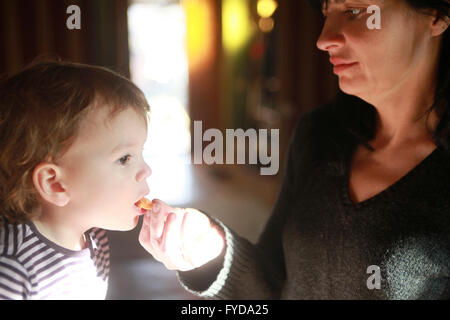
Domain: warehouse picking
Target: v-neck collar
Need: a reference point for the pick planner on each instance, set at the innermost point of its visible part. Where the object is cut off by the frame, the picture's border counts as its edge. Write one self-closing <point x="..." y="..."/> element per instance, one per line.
<point x="345" y="190"/>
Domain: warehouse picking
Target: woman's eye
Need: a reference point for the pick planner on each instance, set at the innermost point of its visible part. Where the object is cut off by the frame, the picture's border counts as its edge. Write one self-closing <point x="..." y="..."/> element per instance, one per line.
<point x="353" y="12"/>
<point x="125" y="159"/>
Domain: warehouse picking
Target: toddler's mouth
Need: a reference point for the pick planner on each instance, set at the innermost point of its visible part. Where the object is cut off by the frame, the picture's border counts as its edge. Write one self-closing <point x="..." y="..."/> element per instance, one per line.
<point x="140" y="211"/>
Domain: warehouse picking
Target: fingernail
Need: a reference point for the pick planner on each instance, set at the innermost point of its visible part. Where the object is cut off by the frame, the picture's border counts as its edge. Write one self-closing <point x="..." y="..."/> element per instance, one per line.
<point x="155" y="207"/>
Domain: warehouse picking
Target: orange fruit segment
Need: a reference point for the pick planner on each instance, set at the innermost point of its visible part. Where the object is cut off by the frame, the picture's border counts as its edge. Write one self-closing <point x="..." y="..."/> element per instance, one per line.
<point x="144" y="203"/>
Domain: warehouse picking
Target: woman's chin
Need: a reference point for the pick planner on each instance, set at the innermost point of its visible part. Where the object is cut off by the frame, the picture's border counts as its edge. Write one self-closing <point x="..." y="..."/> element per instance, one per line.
<point x="351" y="87"/>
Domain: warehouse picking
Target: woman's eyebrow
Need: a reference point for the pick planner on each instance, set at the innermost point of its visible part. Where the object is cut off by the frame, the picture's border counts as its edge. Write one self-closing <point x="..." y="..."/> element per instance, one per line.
<point x="326" y="2"/>
<point x="334" y="1"/>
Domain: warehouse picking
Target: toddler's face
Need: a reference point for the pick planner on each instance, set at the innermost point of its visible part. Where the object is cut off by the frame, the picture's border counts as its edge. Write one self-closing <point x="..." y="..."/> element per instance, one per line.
<point x="105" y="174"/>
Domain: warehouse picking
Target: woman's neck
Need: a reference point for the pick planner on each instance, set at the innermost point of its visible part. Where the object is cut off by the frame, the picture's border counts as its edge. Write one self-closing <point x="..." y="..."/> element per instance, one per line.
<point x="405" y="120"/>
<point x="402" y="110"/>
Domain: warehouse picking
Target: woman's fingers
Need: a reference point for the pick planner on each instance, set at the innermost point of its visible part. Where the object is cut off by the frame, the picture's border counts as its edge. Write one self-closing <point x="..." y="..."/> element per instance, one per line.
<point x="145" y="234"/>
<point x="164" y="246"/>
<point x="182" y="239"/>
<point x="172" y="241"/>
<point x="201" y="240"/>
<point x="158" y="215"/>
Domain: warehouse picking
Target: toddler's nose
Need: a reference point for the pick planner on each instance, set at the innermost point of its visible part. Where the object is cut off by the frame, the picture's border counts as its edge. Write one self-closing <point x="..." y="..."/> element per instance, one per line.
<point x="144" y="173"/>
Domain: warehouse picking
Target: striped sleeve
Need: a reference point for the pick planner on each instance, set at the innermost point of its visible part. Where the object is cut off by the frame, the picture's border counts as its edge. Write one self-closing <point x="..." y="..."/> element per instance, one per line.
<point x="14" y="282"/>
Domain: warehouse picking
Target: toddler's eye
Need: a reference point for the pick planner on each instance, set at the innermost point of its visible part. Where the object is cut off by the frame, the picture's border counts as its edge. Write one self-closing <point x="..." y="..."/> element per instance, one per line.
<point x="125" y="159"/>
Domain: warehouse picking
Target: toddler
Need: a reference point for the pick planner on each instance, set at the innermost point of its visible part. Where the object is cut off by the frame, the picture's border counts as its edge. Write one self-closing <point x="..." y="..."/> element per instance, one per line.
<point x="71" y="166"/>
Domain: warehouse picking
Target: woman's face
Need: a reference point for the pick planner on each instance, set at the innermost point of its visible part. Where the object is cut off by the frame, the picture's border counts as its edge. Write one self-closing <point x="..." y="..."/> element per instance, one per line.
<point x="370" y="62"/>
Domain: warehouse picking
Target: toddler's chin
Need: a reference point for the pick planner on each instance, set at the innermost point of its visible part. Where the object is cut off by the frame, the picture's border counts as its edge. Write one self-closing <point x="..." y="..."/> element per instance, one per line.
<point x="135" y="222"/>
<point x="131" y="225"/>
<point x="124" y="226"/>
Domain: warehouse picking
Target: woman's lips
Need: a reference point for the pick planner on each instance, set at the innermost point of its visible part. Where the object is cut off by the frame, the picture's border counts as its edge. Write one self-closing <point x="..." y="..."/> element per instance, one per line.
<point x="338" y="68"/>
<point x="341" y="64"/>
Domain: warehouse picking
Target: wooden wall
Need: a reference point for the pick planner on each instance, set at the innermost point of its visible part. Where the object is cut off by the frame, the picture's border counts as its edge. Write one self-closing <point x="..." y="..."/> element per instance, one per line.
<point x="37" y="28"/>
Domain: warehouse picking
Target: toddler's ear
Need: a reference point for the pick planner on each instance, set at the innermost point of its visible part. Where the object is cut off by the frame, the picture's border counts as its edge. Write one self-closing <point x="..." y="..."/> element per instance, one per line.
<point x="47" y="181"/>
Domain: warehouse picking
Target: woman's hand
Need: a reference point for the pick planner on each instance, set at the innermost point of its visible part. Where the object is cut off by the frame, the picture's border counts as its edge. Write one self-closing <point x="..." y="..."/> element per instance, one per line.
<point x="182" y="239"/>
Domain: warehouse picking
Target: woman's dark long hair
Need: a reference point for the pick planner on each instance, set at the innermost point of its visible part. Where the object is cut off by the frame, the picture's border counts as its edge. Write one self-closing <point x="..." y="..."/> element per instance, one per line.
<point x="358" y="117"/>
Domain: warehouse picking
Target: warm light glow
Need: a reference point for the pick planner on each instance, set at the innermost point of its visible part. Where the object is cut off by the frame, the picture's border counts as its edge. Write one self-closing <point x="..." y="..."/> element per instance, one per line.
<point x="266" y="24"/>
<point x="157" y="43"/>
<point x="168" y="130"/>
<point x="199" y="31"/>
<point x="167" y="150"/>
<point x="159" y="66"/>
<point x="266" y="8"/>
<point x="236" y="27"/>
<point x="201" y="242"/>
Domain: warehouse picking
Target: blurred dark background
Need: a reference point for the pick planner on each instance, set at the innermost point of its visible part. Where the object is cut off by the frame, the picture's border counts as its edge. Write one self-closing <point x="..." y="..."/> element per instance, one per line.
<point x="248" y="64"/>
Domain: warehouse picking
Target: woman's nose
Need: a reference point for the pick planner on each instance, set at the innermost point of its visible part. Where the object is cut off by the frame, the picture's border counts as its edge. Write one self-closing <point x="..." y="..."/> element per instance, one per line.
<point x="331" y="37"/>
<point x="144" y="173"/>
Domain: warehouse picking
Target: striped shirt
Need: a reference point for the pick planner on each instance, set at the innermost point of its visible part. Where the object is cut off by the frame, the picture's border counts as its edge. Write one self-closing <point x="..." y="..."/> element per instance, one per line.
<point x="33" y="267"/>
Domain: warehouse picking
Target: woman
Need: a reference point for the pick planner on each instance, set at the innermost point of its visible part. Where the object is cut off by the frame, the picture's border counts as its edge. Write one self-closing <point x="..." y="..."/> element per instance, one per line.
<point x="363" y="212"/>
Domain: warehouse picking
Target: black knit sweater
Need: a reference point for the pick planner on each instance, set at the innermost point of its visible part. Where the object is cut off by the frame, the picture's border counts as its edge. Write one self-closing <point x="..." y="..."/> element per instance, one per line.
<point x="319" y="245"/>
